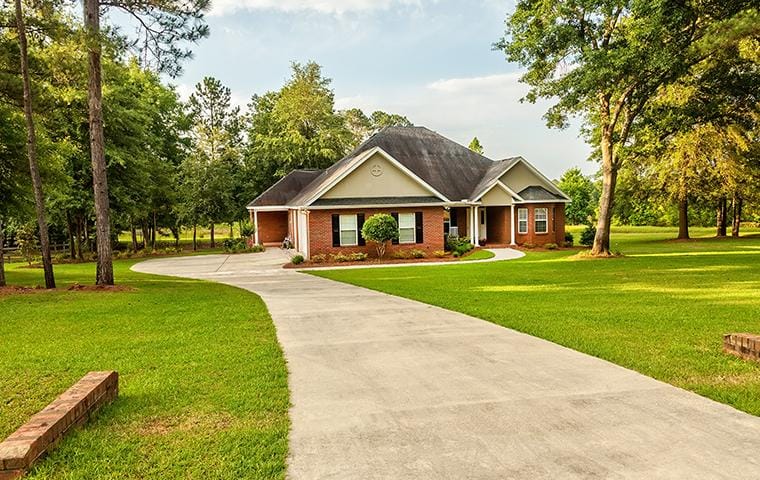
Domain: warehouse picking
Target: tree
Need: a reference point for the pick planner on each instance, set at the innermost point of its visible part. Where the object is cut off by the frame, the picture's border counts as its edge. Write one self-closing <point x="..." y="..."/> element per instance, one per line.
<point x="583" y="193"/>
<point x="164" y="25"/>
<point x="621" y="53"/>
<point x="380" y="228"/>
<point x="380" y="120"/>
<point x="475" y="146"/>
<point x="31" y="144"/>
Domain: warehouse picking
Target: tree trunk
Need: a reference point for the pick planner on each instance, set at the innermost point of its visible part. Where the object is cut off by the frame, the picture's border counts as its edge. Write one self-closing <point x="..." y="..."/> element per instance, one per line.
<point x="195" y="236"/>
<point x="737" y="216"/>
<point x="145" y="231"/>
<point x="70" y="226"/>
<point x="134" y="236"/>
<point x="104" y="275"/>
<point x="213" y="242"/>
<point x="31" y="149"/>
<point x="86" y="232"/>
<point x="232" y="233"/>
<point x="609" y="180"/>
<point x="2" y="253"/>
<point x="721" y="219"/>
<point x="683" y="218"/>
<point x="153" y="232"/>
<point x="175" y="232"/>
<point x="80" y="239"/>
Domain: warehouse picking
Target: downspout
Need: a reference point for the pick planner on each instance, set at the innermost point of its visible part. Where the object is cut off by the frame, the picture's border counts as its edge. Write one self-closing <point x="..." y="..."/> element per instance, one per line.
<point x="512" y="224"/>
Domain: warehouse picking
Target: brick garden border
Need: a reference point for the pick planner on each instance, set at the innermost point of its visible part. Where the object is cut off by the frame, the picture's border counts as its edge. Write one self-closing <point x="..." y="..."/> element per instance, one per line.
<point x="43" y="431"/>
<point x="743" y="345"/>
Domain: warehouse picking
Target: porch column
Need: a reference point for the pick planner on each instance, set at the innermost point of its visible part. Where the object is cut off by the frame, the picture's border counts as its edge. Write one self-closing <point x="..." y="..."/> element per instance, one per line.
<point x="512" y="224"/>
<point x="476" y="227"/>
<point x="255" y="227"/>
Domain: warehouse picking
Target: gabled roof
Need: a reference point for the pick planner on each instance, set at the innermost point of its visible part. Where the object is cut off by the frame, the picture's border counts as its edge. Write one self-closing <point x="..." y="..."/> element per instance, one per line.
<point x="282" y="192"/>
<point x="449" y="171"/>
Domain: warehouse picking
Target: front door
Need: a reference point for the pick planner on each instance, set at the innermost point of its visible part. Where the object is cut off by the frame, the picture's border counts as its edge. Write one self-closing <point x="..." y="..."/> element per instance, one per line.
<point x="482" y="230"/>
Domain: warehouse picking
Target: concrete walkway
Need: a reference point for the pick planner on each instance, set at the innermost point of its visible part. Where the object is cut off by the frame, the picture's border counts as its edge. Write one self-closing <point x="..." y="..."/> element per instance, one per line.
<point x="384" y="387"/>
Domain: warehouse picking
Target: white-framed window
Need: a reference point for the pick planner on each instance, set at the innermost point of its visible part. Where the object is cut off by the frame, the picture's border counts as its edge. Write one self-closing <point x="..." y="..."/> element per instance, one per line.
<point x="406" y="228"/>
<point x="522" y="220"/>
<point x="348" y="232"/>
<point x="542" y="220"/>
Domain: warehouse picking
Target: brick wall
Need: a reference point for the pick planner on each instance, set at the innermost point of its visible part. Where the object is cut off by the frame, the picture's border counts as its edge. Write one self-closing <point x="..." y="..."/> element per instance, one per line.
<point x="20" y="450"/>
<point x="497" y="225"/>
<point x="556" y="219"/>
<point x="273" y="227"/>
<point x="320" y="231"/>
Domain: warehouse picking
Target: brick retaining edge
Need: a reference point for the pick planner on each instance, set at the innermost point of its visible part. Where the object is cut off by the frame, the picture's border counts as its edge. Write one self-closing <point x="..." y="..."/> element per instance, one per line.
<point x="43" y="431"/>
<point x="743" y="345"/>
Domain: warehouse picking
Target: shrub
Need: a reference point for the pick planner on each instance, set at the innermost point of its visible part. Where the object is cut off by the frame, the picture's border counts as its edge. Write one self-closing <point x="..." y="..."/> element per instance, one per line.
<point x="297" y="259"/>
<point x="439" y="254"/>
<point x="247" y="229"/>
<point x="460" y="245"/>
<point x="256" y="248"/>
<point x="401" y="254"/>
<point x="26" y="238"/>
<point x="551" y="246"/>
<point x="357" y="257"/>
<point x="569" y="239"/>
<point x="340" y="258"/>
<point x="417" y="253"/>
<point x="587" y="236"/>
<point x="529" y="245"/>
<point x="319" y="258"/>
<point x="380" y="228"/>
<point x="455" y="254"/>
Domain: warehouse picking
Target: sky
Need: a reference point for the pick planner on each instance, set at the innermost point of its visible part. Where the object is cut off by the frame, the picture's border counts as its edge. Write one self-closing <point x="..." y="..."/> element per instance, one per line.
<point x="430" y="60"/>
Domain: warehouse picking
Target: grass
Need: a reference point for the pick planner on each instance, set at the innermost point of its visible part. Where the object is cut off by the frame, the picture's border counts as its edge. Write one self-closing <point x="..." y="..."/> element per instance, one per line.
<point x="661" y="309"/>
<point x="478" y="255"/>
<point x="203" y="383"/>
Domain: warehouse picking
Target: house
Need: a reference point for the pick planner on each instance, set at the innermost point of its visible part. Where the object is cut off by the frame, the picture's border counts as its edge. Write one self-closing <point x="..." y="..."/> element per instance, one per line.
<point x="433" y="186"/>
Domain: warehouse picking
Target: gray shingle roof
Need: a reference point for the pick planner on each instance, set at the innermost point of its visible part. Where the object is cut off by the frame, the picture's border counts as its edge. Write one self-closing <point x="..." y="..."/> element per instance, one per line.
<point x="325" y="202"/>
<point x="282" y="192"/>
<point x="451" y="169"/>
<point x="533" y="193"/>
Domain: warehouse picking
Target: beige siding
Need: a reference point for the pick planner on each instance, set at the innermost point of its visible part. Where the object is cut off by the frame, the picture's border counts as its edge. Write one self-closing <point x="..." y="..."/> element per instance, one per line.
<point x="391" y="182"/>
<point x="519" y="177"/>
<point x="497" y="196"/>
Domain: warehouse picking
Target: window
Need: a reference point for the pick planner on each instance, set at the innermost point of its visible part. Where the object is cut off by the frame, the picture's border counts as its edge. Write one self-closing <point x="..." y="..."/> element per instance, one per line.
<point x="542" y="220"/>
<point x="406" y="228"/>
<point x="446" y="221"/>
<point x="348" y="232"/>
<point x="522" y="220"/>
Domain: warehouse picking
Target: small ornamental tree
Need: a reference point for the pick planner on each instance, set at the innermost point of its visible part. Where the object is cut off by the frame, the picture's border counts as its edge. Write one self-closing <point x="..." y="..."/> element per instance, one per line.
<point x="380" y="228"/>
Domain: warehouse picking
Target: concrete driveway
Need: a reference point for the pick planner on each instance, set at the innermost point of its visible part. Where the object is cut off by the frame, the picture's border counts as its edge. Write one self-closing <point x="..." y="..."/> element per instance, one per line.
<point x="384" y="387"/>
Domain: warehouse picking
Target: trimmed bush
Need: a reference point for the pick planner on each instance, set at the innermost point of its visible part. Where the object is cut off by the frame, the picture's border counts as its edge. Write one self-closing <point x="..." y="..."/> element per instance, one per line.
<point x="380" y="228"/>
<point x="439" y="254"/>
<point x="587" y="236"/>
<point x="319" y="258"/>
<point x="297" y="259"/>
<point x="569" y="239"/>
<point x="551" y="246"/>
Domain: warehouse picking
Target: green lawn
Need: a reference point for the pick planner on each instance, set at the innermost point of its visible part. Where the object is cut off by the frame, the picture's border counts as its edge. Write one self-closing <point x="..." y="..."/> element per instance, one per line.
<point x="661" y="310"/>
<point x="203" y="387"/>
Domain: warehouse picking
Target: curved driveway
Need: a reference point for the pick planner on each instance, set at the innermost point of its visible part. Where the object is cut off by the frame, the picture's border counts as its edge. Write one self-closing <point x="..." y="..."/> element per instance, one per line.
<point x="384" y="387"/>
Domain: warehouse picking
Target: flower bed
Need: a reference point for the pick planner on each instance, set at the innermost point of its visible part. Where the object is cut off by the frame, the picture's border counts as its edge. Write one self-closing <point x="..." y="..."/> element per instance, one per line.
<point x="412" y="256"/>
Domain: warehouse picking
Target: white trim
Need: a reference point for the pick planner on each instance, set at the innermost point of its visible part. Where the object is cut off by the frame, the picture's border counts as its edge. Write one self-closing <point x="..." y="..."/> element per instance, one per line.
<point x="385" y="205"/>
<point x="527" y="202"/>
<point x="363" y="158"/>
<point x="537" y="173"/>
<point x="272" y="208"/>
<point x="512" y="224"/>
<point x="501" y="184"/>
<point x="536" y="220"/>
<point x="527" y="221"/>
<point x="255" y="227"/>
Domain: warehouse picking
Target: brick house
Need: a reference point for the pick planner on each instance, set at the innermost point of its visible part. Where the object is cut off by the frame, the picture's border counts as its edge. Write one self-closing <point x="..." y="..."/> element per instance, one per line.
<point x="431" y="185"/>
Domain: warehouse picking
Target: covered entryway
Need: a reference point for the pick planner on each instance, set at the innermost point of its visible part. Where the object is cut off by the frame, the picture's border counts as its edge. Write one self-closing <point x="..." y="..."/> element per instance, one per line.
<point x="497" y="225"/>
<point x="271" y="227"/>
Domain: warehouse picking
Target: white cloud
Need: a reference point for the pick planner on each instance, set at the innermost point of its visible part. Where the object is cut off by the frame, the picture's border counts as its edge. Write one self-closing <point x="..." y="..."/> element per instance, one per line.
<point x="488" y="107"/>
<point x="333" y="7"/>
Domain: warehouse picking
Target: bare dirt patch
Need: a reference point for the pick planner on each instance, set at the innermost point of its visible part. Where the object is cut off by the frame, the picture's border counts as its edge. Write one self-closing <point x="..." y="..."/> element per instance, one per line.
<point x="19" y="290"/>
<point x="78" y="287"/>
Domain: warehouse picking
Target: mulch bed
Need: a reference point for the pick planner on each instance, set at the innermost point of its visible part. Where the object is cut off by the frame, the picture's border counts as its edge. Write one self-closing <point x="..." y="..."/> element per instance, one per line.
<point x="379" y="261"/>
<point x="76" y="287"/>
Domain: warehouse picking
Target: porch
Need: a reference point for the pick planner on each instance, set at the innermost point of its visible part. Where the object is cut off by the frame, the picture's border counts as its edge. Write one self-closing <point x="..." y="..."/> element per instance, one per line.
<point x="484" y="225"/>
